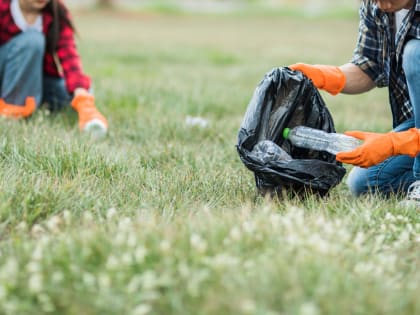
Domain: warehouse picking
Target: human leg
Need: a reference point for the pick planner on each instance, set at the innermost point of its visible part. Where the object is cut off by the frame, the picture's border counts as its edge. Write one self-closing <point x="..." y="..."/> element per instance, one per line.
<point x="55" y="93"/>
<point x="394" y="175"/>
<point x="411" y="66"/>
<point x="21" y="67"/>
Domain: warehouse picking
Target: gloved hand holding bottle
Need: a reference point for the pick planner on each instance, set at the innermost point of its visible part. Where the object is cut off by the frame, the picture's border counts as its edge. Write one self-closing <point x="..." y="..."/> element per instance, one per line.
<point x="377" y="147"/>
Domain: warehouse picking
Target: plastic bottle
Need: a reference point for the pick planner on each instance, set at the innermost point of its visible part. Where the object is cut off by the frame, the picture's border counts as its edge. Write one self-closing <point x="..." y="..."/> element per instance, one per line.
<point x="267" y="150"/>
<point x="315" y="139"/>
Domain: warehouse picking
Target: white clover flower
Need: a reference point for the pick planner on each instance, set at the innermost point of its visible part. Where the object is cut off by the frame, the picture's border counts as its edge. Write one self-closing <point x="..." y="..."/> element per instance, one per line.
<point x="111" y="213"/>
<point x="141" y="309"/>
<point x="390" y="217"/>
<point x="67" y="216"/>
<point x="124" y="224"/>
<point x="249" y="227"/>
<point x="22" y="226"/>
<point x="198" y="243"/>
<point x="37" y="252"/>
<point x="35" y="283"/>
<point x="165" y="246"/>
<point x="404" y="237"/>
<point x="33" y="266"/>
<point x="9" y="270"/>
<point x="37" y="230"/>
<point x="127" y="259"/>
<point x="275" y="220"/>
<point x="46" y="303"/>
<point x="222" y="261"/>
<point x="134" y="285"/>
<point x="364" y="268"/>
<point x="359" y="239"/>
<point x="140" y="254"/>
<point x="57" y="277"/>
<point x="3" y="293"/>
<point x="53" y="224"/>
<point x="149" y="280"/>
<point x="248" y="306"/>
<point x="89" y="279"/>
<point x="104" y="281"/>
<point x="112" y="263"/>
<point x="132" y="240"/>
<point x="88" y="217"/>
<point x="235" y="234"/>
<point x="309" y="308"/>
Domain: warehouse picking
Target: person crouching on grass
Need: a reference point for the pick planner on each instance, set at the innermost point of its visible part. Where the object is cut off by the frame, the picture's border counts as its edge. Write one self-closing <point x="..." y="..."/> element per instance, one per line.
<point x="387" y="54"/>
<point x="39" y="63"/>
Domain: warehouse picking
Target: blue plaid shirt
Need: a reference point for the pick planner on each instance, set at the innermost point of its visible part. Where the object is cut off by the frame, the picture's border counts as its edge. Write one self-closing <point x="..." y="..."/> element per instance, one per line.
<point x="379" y="53"/>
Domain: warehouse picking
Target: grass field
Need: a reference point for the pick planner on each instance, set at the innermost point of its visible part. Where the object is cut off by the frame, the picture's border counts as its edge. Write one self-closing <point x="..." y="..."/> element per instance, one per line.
<point x="162" y="217"/>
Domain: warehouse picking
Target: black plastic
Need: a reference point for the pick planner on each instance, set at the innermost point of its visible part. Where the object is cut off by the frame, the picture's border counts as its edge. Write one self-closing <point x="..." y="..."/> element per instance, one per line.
<point x="285" y="99"/>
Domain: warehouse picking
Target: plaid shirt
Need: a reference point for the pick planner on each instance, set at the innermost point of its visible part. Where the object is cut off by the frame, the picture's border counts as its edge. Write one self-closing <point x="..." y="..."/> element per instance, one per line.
<point x="379" y="53"/>
<point x="65" y="63"/>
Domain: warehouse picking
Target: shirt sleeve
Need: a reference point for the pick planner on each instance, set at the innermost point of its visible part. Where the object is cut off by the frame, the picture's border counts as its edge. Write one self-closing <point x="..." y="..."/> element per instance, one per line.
<point x="370" y="52"/>
<point x="70" y="61"/>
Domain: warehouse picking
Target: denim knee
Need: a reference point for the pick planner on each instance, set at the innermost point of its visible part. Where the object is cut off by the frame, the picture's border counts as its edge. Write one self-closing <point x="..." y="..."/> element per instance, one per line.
<point x="357" y="181"/>
<point x="31" y="43"/>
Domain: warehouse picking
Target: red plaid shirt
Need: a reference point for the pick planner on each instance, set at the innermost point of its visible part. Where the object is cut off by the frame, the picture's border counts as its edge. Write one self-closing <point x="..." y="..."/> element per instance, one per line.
<point x="68" y="64"/>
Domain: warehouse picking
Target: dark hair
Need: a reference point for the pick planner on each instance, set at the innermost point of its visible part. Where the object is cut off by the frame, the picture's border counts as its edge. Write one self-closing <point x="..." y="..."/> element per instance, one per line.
<point x="61" y="18"/>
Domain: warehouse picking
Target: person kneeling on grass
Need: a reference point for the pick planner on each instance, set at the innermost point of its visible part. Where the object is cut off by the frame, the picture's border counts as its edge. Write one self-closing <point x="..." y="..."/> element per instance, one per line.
<point x="39" y="63"/>
<point x="387" y="54"/>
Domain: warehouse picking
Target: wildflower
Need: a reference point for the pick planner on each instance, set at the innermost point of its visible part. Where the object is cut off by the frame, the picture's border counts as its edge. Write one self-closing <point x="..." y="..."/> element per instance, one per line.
<point x="3" y="293"/>
<point x="104" y="281"/>
<point x="37" y="230"/>
<point x="248" y="306"/>
<point x="141" y="309"/>
<point x="308" y="308"/>
<point x="35" y="283"/>
<point x="53" y="224"/>
<point x="198" y="243"/>
<point x="111" y="213"/>
<point x="67" y="216"/>
<point x="140" y="254"/>
<point x="57" y="277"/>
<point x="165" y="246"/>
<point x="235" y="234"/>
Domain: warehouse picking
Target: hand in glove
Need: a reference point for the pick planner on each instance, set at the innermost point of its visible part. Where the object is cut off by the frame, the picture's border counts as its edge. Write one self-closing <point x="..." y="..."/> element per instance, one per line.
<point x="377" y="147"/>
<point x="328" y="78"/>
<point x="90" y="119"/>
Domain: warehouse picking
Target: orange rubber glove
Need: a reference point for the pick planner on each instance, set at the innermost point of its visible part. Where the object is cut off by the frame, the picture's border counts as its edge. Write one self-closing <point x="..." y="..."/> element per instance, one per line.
<point x="328" y="78"/>
<point x="16" y="111"/>
<point x="89" y="116"/>
<point x="377" y="147"/>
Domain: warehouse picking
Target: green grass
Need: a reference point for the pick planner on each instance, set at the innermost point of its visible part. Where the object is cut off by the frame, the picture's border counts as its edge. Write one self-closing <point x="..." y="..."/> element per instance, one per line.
<point x="163" y="218"/>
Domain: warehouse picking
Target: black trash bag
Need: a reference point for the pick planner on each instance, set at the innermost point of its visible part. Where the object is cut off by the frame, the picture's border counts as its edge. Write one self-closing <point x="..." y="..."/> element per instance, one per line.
<point x="285" y="99"/>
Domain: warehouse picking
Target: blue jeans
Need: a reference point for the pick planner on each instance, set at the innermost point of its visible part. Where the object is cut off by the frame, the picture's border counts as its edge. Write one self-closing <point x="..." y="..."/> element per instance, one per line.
<point x="21" y="72"/>
<point x="395" y="174"/>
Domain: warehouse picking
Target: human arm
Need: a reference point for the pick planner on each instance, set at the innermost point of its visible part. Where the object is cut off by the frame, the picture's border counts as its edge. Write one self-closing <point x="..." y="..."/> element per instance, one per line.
<point x="347" y="79"/>
<point x="377" y="147"/>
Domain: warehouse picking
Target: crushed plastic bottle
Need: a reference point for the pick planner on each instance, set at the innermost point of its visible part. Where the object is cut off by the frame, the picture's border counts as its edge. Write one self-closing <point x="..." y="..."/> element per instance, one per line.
<point x="315" y="139"/>
<point x="267" y="150"/>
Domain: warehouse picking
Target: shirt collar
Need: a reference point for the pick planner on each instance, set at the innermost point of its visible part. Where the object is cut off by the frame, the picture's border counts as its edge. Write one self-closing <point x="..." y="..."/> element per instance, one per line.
<point x="20" y="20"/>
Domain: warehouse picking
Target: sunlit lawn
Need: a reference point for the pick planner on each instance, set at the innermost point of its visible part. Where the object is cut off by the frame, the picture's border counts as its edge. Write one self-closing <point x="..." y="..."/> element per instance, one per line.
<point x="162" y="217"/>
